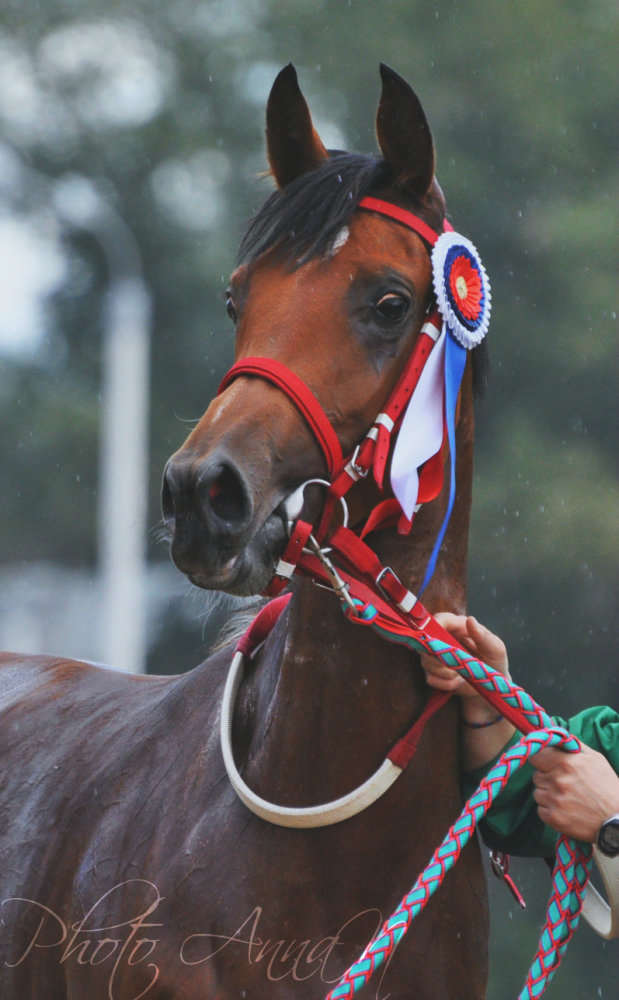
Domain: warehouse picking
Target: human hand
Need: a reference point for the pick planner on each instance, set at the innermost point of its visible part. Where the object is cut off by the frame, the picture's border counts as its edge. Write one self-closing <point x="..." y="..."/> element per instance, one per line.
<point x="485" y="732"/>
<point x="475" y="638"/>
<point x="575" y="792"/>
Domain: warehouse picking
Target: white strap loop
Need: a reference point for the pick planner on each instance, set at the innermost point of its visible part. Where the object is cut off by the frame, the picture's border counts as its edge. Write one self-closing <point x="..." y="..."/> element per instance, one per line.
<point x="432" y="330"/>
<point x="602" y="916"/>
<point x="385" y="420"/>
<point x="285" y="569"/>
<point x="299" y="818"/>
<point x="408" y="602"/>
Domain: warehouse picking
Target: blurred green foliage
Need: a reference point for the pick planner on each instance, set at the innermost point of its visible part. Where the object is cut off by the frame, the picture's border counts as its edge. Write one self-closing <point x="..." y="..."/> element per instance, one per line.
<point x="160" y="107"/>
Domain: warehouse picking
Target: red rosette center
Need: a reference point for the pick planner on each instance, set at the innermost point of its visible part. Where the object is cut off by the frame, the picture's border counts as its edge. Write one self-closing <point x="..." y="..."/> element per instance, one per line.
<point x="465" y="285"/>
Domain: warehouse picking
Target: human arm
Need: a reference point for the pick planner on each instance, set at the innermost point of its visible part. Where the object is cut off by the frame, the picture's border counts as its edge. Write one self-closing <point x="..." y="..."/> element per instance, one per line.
<point x="575" y="793"/>
<point x="557" y="791"/>
<point x="575" y="799"/>
<point x="484" y="732"/>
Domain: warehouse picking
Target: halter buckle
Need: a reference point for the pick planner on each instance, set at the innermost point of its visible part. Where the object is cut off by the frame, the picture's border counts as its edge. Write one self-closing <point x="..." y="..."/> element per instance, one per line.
<point x="406" y="601"/>
<point x="354" y="470"/>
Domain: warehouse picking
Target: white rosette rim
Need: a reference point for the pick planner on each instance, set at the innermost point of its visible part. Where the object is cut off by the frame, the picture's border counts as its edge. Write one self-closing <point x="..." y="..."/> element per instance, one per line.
<point x="469" y="333"/>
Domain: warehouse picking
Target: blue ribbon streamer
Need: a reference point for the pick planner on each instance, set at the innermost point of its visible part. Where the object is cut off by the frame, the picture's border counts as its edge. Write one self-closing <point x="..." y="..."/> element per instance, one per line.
<point x="455" y="361"/>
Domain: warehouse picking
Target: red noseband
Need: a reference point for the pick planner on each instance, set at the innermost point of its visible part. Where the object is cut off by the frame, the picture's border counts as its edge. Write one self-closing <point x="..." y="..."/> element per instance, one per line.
<point x="308" y="406"/>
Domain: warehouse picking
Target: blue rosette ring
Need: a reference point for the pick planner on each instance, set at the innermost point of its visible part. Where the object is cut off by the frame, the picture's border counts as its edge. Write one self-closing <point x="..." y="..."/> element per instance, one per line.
<point x="462" y="288"/>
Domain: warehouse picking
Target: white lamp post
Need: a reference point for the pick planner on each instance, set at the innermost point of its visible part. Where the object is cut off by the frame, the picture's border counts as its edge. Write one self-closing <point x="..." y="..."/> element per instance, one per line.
<point x="123" y="469"/>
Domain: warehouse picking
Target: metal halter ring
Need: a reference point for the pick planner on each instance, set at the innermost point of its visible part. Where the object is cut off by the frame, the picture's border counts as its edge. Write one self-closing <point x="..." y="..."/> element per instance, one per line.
<point x="293" y="504"/>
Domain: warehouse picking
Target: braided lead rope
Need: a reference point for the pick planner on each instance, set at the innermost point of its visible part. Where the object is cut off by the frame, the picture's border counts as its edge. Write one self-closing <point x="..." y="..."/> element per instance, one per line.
<point x="569" y="879"/>
<point x="487" y="681"/>
<point x="573" y="860"/>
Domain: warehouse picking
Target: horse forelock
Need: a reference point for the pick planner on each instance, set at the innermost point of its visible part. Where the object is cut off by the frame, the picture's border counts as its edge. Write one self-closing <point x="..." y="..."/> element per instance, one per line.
<point x="306" y="219"/>
<point x="303" y="220"/>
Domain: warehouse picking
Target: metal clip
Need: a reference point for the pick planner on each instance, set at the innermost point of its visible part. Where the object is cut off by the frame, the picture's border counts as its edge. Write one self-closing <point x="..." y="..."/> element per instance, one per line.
<point x="499" y="863"/>
<point x="338" y="585"/>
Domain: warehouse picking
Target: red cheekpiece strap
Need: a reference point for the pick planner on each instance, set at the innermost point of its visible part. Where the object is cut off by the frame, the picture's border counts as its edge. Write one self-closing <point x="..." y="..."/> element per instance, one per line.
<point x="398" y="401"/>
<point x="293" y="387"/>
<point x="292" y="553"/>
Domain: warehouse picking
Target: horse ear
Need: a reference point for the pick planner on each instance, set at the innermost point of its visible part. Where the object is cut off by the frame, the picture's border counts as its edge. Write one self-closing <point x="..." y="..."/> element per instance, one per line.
<point x="293" y="145"/>
<point x="404" y="134"/>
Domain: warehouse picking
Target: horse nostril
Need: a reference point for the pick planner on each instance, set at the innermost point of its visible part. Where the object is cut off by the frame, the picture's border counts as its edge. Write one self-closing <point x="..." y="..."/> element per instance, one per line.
<point x="228" y="498"/>
<point x="198" y="496"/>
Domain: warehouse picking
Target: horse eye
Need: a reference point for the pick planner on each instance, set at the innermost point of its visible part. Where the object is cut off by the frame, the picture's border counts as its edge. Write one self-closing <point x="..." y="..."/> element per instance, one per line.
<point x="230" y="307"/>
<point x="392" y="306"/>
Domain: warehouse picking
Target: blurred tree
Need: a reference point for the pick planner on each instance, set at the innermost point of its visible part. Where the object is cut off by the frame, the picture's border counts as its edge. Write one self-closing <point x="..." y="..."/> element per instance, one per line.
<point x="160" y="107"/>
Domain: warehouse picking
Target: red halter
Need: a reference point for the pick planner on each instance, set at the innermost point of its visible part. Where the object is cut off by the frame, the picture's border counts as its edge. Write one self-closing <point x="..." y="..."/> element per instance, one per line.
<point x="303" y="398"/>
<point x="375" y="447"/>
<point x="406" y="218"/>
<point x="373" y="450"/>
<point x="378" y="440"/>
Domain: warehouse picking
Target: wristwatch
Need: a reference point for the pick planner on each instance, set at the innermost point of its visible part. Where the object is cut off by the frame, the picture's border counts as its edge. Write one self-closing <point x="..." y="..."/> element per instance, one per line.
<point x="608" y="837"/>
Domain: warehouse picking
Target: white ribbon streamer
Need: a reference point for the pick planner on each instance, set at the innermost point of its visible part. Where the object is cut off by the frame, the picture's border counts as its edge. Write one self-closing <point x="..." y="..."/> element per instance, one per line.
<point x="421" y="432"/>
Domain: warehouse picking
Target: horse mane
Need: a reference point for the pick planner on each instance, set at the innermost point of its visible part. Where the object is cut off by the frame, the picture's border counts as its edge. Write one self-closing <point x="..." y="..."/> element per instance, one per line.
<point x="241" y="615"/>
<point x="302" y="220"/>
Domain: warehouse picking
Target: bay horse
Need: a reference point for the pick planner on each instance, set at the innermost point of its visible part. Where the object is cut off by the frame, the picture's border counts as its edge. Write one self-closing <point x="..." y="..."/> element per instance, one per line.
<point x="129" y="867"/>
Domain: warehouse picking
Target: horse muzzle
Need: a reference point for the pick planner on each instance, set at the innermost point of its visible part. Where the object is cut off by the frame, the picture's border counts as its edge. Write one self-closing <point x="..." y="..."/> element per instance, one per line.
<point x="229" y="492"/>
<point x="221" y="537"/>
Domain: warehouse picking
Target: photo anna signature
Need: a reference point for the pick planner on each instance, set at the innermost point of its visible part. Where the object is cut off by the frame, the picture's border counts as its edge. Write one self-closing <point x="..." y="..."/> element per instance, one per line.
<point x="92" y="941"/>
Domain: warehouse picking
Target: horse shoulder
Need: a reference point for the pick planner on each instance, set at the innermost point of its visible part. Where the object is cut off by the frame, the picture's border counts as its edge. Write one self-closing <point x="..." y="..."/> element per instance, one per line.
<point x="88" y="752"/>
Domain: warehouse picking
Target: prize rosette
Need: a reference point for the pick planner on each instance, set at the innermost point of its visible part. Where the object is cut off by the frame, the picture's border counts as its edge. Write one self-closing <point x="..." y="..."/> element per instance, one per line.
<point x="462" y="288"/>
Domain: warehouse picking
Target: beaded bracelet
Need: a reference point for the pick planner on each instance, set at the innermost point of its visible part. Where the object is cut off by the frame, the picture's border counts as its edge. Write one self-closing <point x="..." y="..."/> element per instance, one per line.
<point x="482" y="725"/>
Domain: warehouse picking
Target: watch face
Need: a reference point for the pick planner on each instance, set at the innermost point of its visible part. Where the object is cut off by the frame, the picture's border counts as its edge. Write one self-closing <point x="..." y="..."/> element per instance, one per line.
<point x="608" y="837"/>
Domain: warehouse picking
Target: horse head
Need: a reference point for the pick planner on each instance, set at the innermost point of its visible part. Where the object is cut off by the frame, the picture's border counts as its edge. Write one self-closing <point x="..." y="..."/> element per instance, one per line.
<point x="336" y="295"/>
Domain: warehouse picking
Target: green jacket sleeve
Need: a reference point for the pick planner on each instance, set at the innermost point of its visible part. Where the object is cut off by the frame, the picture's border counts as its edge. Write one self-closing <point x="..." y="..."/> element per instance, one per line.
<point x="512" y="824"/>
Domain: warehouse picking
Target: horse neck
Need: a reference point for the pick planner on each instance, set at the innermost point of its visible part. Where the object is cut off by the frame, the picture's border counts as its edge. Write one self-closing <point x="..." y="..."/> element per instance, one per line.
<point x="327" y="699"/>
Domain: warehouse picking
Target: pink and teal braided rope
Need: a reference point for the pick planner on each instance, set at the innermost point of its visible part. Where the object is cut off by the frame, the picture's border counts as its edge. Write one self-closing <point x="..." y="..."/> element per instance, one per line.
<point x="573" y="860"/>
<point x="569" y="879"/>
<point x="490" y="683"/>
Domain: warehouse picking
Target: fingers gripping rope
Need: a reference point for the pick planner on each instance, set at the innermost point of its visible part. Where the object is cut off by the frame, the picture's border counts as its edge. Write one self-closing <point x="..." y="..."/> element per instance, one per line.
<point x="570" y="877"/>
<point x="488" y="681"/>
